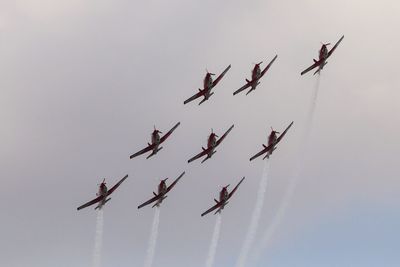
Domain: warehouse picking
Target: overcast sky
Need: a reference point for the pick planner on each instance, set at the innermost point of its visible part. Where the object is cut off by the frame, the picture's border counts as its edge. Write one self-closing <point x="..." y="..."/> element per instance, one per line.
<point x="82" y="83"/>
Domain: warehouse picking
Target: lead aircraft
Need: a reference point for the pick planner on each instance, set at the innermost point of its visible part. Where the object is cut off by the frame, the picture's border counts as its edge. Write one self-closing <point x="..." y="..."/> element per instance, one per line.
<point x="224" y="196"/>
<point x="102" y="195"/>
<point x="324" y="54"/>
<point x="162" y="192"/>
<point x="212" y="143"/>
<point x="156" y="140"/>
<point x="273" y="140"/>
<point x="209" y="84"/>
<point x="256" y="75"/>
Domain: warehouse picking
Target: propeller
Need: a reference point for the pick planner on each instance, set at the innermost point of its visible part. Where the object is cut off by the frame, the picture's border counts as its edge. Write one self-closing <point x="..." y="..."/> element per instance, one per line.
<point x="104" y="182"/>
<point x="156" y="129"/>
<point x="165" y="180"/>
<point x="209" y="72"/>
<point x="212" y="132"/>
<point x="227" y="186"/>
<point x="258" y="63"/>
<point x="272" y="129"/>
<point x="325" y="44"/>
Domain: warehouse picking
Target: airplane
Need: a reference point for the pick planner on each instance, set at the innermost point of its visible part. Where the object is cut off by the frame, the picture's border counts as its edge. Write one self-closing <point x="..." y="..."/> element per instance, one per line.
<point x="273" y="140"/>
<point x="102" y="195"/>
<point x="256" y="75"/>
<point x="162" y="192"/>
<point x="209" y="84"/>
<point x="323" y="56"/>
<point x="156" y="141"/>
<point x="224" y="196"/>
<point x="211" y="145"/>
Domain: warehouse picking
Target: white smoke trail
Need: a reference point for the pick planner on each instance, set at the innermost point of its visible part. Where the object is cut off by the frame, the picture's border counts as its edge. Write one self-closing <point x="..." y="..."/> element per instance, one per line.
<point x="287" y="198"/>
<point x="98" y="241"/>
<point x="153" y="239"/>
<point x="251" y="232"/>
<point x="214" y="242"/>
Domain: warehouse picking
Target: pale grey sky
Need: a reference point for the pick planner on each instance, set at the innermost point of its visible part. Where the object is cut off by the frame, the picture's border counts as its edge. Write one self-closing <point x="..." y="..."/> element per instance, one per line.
<point x="83" y="82"/>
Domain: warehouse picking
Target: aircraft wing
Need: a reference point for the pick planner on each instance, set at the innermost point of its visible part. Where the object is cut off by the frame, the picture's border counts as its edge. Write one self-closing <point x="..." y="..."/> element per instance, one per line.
<point x="220" y="76"/>
<point x="283" y="134"/>
<point x="112" y="189"/>
<point x="313" y="66"/>
<point x="174" y="183"/>
<point x="336" y="45"/>
<point x="199" y="94"/>
<point x="162" y="139"/>
<point x="265" y="150"/>
<point x="216" y="206"/>
<point x="268" y="66"/>
<point x="94" y="201"/>
<point x="244" y="87"/>
<point x="202" y="153"/>
<point x="234" y="189"/>
<point x="223" y="137"/>
<point x="144" y="150"/>
<point x="155" y="198"/>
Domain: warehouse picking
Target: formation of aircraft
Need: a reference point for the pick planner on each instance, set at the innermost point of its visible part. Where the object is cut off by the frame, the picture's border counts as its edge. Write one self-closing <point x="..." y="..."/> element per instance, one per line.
<point x="163" y="189"/>
<point x="324" y="54"/>
<point x="256" y="75"/>
<point x="224" y="197"/>
<point x="209" y="84"/>
<point x="212" y="143"/>
<point x="102" y="195"/>
<point x="273" y="140"/>
<point x="156" y="140"/>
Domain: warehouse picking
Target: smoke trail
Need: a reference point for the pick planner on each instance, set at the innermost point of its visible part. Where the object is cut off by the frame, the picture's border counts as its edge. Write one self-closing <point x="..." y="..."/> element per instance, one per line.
<point x="251" y="232"/>
<point x="214" y="242"/>
<point x="153" y="239"/>
<point x="98" y="241"/>
<point x="296" y="174"/>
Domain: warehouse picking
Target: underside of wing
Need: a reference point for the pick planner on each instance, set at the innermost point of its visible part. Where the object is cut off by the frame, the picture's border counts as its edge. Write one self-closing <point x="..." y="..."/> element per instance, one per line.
<point x="221" y="76"/>
<point x="211" y="209"/>
<point x="94" y="201"/>
<point x="244" y="87"/>
<point x="199" y="94"/>
<point x="265" y="150"/>
<point x="149" y="201"/>
<point x="284" y="132"/>
<point x="268" y="66"/>
<point x="313" y="66"/>
<point x="112" y="189"/>
<point x="169" y="132"/>
<point x="236" y="187"/>
<point x="223" y="137"/>
<point x="144" y="150"/>
<point x="174" y="183"/>
<point x="335" y="46"/>
<point x="202" y="153"/>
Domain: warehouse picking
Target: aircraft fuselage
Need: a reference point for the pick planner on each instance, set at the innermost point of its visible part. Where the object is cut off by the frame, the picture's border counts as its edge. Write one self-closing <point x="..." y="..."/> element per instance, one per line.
<point x="271" y="141"/>
<point x="102" y="192"/>
<point x="212" y="142"/>
<point x="208" y="81"/>
<point x="162" y="187"/>
<point x="255" y="76"/>
<point x="155" y="140"/>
